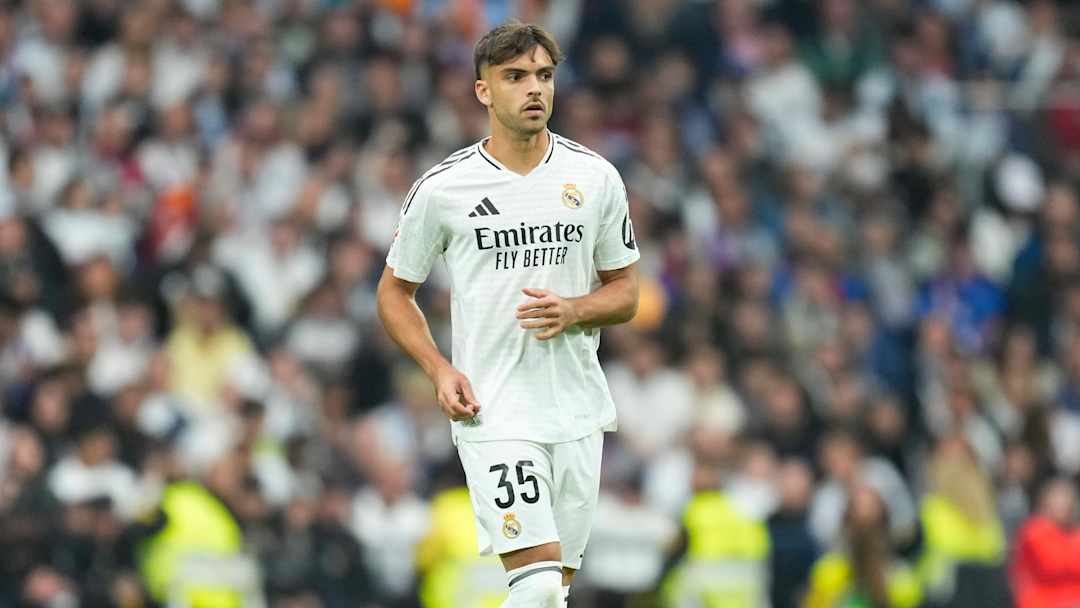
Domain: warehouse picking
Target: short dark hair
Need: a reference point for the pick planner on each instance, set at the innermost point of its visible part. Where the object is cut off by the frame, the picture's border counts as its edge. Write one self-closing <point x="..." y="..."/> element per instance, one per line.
<point x="510" y="40"/>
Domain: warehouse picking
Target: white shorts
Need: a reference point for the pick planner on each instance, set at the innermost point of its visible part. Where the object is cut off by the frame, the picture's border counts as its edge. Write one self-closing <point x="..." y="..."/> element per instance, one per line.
<point x="526" y="494"/>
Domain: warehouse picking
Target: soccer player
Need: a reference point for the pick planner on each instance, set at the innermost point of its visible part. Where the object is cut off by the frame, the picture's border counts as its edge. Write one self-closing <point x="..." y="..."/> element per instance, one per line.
<point x="535" y="230"/>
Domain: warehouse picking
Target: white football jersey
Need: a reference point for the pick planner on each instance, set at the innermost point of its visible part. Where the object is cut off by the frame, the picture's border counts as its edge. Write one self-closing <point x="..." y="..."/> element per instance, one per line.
<point x="500" y="232"/>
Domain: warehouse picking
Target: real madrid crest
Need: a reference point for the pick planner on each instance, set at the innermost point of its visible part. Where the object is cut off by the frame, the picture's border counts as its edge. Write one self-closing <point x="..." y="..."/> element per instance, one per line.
<point x="572" y="197"/>
<point x="511" y="526"/>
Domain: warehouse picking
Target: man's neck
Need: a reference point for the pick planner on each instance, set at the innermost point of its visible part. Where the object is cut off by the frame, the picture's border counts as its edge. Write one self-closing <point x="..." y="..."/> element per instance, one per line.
<point x="519" y="154"/>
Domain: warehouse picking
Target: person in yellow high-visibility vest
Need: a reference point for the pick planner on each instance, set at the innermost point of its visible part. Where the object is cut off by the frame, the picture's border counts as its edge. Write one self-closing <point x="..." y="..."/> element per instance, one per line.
<point x="960" y="522"/>
<point x="726" y="560"/>
<point x="453" y="574"/>
<point x="194" y="524"/>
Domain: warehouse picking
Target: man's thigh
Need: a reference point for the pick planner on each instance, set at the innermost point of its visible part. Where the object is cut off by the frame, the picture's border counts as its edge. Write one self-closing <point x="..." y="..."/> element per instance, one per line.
<point x="510" y="483"/>
<point x="576" y="466"/>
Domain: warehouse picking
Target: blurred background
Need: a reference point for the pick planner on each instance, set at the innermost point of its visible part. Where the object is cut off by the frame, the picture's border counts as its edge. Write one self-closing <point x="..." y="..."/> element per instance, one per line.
<point x="853" y="382"/>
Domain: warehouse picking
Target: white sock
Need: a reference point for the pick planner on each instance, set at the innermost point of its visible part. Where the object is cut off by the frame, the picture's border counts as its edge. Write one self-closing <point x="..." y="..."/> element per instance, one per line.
<point x="566" y="595"/>
<point x="538" y="585"/>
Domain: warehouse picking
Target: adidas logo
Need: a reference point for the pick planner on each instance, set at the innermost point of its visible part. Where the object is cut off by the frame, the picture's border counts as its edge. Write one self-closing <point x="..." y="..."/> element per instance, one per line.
<point x="484" y="208"/>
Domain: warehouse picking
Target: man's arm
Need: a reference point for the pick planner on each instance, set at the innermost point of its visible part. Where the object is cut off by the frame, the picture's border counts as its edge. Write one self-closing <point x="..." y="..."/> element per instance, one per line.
<point x="406" y="324"/>
<point x="615" y="302"/>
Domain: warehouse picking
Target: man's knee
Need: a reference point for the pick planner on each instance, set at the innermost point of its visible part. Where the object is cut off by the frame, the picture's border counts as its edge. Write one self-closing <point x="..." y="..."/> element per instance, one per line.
<point x="548" y="552"/>
<point x="537" y="585"/>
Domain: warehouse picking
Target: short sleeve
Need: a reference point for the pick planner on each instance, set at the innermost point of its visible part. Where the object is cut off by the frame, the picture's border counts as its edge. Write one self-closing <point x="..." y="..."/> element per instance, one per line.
<point x="615" y="246"/>
<point x="419" y="238"/>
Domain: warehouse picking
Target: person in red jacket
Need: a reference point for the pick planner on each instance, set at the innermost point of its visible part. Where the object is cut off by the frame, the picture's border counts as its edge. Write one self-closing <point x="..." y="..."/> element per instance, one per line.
<point x="1046" y="563"/>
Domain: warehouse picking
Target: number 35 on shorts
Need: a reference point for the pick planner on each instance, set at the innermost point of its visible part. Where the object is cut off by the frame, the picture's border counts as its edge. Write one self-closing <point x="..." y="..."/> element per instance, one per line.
<point x="528" y="489"/>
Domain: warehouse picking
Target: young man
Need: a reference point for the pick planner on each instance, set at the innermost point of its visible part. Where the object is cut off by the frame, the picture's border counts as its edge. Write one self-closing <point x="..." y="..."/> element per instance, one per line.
<point x="536" y="234"/>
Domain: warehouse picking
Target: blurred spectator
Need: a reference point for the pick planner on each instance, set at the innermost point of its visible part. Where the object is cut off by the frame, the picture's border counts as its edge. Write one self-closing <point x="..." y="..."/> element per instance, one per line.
<point x="858" y="224"/>
<point x="717" y="404"/>
<point x="868" y="572"/>
<point x="322" y="321"/>
<point x="734" y="238"/>
<point x="654" y="401"/>
<point x="29" y="510"/>
<point x="789" y="425"/>
<point x="312" y="529"/>
<point x="204" y="347"/>
<point x="257" y="172"/>
<point x="84" y="225"/>
<point x="409" y="429"/>
<point x="126" y="349"/>
<point x="192" y="551"/>
<point x="275" y="270"/>
<point x="793" y="548"/>
<point x="1013" y="498"/>
<point x="171" y="159"/>
<point x="454" y="573"/>
<point x="1045" y="570"/>
<point x="668" y="482"/>
<point x="888" y="433"/>
<point x="784" y="96"/>
<point x="845" y="466"/>
<point x="890" y="280"/>
<point x="389" y="521"/>
<point x="1045" y="263"/>
<point x="93" y="472"/>
<point x="846" y="46"/>
<point x="33" y="272"/>
<point x="964" y="544"/>
<point x="969" y="301"/>
<point x="628" y="546"/>
<point x="724" y="555"/>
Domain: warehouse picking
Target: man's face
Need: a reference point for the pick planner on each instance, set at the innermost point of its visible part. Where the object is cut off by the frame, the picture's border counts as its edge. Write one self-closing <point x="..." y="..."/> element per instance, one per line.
<point x="1059" y="502"/>
<point x="521" y="91"/>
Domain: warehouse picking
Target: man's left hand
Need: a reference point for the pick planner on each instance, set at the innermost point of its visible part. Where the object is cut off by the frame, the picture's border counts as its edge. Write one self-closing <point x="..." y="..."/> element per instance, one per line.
<point x="548" y="312"/>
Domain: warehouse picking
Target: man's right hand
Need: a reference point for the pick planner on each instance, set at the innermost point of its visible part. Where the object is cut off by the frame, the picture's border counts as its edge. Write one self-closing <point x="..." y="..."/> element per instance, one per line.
<point x="455" y="394"/>
<point x="407" y="326"/>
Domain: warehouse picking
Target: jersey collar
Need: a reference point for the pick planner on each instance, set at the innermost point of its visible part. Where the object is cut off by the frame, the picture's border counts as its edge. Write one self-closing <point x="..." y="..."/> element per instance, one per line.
<point x="500" y="167"/>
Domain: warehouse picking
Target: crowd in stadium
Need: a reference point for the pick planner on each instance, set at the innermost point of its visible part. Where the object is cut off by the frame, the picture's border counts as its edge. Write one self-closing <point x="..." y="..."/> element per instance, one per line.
<point x="853" y="380"/>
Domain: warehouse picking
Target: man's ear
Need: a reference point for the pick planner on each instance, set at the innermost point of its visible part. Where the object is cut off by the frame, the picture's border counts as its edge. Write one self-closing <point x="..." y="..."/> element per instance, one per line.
<point x="483" y="93"/>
